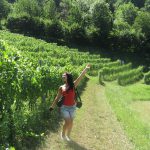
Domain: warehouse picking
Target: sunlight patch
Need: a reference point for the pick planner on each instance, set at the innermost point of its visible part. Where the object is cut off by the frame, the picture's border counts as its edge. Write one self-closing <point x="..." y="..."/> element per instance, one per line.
<point x="143" y="109"/>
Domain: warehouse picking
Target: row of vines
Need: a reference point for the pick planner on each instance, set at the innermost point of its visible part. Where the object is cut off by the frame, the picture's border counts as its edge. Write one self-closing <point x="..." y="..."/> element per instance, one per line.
<point x="123" y="73"/>
<point x="30" y="74"/>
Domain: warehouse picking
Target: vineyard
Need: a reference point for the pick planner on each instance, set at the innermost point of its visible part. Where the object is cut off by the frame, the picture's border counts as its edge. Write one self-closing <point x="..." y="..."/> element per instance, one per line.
<point x="30" y="73"/>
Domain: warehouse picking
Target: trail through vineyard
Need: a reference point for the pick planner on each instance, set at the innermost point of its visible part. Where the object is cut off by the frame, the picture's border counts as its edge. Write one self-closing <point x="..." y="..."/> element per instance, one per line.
<point x="95" y="126"/>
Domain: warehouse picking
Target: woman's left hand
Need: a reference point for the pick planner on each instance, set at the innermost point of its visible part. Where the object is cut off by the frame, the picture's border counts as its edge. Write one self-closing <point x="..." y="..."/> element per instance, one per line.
<point x="88" y="66"/>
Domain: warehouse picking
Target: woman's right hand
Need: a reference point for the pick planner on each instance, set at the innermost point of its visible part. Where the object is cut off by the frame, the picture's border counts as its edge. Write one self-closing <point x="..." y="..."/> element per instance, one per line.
<point x="51" y="108"/>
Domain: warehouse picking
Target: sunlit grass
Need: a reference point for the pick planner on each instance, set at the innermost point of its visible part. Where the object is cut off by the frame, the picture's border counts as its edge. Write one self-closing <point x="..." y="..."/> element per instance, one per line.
<point x="120" y="99"/>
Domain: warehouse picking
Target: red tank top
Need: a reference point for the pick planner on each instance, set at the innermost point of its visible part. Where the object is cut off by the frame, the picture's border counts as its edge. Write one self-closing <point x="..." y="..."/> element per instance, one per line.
<point x="69" y="97"/>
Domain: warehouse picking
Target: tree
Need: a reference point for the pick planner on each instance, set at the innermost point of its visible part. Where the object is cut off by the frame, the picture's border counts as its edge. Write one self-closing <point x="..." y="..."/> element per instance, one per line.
<point x="29" y="7"/>
<point x="11" y="1"/>
<point x="138" y="3"/>
<point x="142" y="22"/>
<point x="49" y="9"/>
<point x="57" y="2"/>
<point x="120" y="2"/>
<point x="4" y="8"/>
<point x="124" y="36"/>
<point x="147" y="5"/>
<point x="126" y="12"/>
<point x="70" y="11"/>
<point x="112" y="4"/>
<point x="65" y="6"/>
<point x="74" y="15"/>
<point x="102" y="17"/>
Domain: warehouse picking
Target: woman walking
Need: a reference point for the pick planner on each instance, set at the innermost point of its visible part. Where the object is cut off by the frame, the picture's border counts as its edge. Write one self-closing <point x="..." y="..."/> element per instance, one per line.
<point x="69" y="104"/>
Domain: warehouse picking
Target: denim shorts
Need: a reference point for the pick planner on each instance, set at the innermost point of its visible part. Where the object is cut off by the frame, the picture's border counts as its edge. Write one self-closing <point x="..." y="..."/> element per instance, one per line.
<point x="68" y="111"/>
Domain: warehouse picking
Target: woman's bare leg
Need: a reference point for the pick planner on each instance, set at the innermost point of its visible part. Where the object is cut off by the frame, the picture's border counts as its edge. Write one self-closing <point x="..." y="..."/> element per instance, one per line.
<point x="66" y="126"/>
<point x="70" y="127"/>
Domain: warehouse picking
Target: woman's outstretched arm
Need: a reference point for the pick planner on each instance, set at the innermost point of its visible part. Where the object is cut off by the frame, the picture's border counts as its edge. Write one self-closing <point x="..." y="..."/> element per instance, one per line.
<point x="77" y="81"/>
<point x="58" y="96"/>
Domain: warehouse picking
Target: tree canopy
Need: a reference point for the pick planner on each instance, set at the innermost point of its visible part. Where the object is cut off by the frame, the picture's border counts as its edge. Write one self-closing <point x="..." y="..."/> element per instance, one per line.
<point x="120" y="23"/>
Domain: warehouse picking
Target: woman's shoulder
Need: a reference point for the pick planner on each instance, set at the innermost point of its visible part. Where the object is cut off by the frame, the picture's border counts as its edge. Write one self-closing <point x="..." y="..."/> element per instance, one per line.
<point x="62" y="87"/>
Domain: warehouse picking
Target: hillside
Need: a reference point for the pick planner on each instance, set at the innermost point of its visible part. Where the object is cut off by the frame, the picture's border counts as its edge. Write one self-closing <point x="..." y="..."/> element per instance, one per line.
<point x="31" y="71"/>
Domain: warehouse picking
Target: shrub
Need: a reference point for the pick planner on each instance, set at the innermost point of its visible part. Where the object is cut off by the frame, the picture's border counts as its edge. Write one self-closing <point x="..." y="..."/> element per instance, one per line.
<point x="0" y="26"/>
<point x="26" y="25"/>
<point x="77" y="33"/>
<point x="4" y="9"/>
<point x="54" y="31"/>
<point x="147" y="78"/>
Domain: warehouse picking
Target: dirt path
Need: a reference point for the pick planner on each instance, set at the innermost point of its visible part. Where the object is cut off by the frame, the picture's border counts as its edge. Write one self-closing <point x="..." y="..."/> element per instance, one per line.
<point x="95" y="126"/>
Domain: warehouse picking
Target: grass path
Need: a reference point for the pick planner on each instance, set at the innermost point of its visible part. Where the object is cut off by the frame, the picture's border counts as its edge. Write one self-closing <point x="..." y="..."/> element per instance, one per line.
<point x="95" y="126"/>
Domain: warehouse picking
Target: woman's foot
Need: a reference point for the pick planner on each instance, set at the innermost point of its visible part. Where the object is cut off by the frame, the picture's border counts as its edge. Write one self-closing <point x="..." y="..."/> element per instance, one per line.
<point x="68" y="138"/>
<point x="62" y="136"/>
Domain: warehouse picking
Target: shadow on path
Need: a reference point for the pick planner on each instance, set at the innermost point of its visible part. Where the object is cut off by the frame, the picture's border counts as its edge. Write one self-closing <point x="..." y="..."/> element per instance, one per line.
<point x="76" y="146"/>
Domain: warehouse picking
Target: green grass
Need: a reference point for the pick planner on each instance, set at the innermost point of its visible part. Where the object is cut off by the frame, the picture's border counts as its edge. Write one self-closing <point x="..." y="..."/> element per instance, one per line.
<point x="139" y="91"/>
<point x="120" y="99"/>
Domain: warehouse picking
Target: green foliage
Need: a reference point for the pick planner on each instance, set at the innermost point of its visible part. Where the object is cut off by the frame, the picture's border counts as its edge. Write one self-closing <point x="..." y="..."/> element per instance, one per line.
<point x="123" y="73"/>
<point x="65" y="6"/>
<point x="147" y="5"/>
<point x="124" y="33"/>
<point x="11" y="1"/>
<point x="121" y="25"/>
<point x="49" y="10"/>
<point x="112" y="64"/>
<point x="54" y="31"/>
<point x="131" y="76"/>
<point x="57" y="2"/>
<point x="120" y="2"/>
<point x="102" y="17"/>
<point x="30" y="77"/>
<point x="125" y="36"/>
<point x="74" y="16"/>
<point x="49" y="30"/>
<point x="27" y="6"/>
<point x="92" y="33"/>
<point x="147" y="78"/>
<point x="4" y="9"/>
<point x="71" y="12"/>
<point x="77" y="33"/>
<point x="126" y="13"/>
<point x="138" y="3"/>
<point x="27" y="25"/>
<point x="0" y="26"/>
<point x="142" y="22"/>
<point x="112" y="73"/>
<point x="123" y="30"/>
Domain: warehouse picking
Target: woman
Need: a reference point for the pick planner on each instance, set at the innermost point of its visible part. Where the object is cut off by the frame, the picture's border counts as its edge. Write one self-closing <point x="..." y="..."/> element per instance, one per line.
<point x="69" y="105"/>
